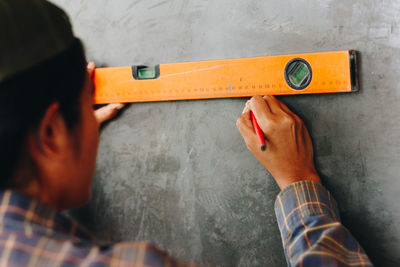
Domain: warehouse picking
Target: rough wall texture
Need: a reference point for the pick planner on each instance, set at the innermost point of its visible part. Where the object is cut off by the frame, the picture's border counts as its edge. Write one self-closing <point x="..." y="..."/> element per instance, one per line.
<point x="178" y="173"/>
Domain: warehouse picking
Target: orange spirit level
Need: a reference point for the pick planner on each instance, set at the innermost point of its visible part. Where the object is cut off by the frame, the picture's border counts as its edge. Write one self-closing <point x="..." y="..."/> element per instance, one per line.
<point x="312" y="73"/>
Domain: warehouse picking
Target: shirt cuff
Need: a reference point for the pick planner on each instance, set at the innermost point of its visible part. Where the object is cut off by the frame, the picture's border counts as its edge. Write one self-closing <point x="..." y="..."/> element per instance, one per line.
<point x="300" y="200"/>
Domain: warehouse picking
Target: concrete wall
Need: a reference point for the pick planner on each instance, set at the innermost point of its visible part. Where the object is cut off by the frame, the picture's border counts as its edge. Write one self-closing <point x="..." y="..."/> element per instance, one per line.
<point x="178" y="173"/>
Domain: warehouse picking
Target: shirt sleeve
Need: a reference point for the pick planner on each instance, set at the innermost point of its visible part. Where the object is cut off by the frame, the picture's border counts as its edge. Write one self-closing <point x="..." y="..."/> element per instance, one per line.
<point x="311" y="231"/>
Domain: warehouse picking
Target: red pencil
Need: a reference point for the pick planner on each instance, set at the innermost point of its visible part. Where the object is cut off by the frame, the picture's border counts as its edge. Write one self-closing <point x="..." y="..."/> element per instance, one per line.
<point x="258" y="131"/>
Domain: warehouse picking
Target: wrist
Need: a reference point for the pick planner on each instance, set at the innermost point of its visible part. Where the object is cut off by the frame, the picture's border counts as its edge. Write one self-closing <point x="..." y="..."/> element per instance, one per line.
<point x="285" y="182"/>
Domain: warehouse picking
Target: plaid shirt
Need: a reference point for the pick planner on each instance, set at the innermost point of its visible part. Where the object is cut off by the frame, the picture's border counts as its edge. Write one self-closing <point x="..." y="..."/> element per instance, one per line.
<point x="311" y="231"/>
<point x="33" y="234"/>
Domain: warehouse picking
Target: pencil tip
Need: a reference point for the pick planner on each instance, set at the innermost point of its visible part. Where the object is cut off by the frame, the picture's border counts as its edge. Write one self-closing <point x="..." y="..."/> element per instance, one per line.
<point x="263" y="147"/>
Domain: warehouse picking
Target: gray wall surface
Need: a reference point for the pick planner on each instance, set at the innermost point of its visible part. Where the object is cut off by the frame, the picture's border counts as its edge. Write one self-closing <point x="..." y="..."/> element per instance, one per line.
<point x="178" y="173"/>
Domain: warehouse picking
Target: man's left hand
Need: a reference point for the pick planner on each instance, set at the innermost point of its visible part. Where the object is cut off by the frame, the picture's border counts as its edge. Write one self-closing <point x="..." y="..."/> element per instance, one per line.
<point x="107" y="112"/>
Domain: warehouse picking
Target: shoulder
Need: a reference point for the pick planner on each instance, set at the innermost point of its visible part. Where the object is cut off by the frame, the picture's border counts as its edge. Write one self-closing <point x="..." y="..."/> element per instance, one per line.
<point x="36" y="250"/>
<point x="45" y="250"/>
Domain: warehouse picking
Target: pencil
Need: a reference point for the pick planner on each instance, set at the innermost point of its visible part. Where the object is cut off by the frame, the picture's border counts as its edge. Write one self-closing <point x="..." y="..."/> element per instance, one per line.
<point x="258" y="131"/>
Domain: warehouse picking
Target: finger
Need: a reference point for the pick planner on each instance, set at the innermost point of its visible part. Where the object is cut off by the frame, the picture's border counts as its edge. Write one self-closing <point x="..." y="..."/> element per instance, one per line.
<point x="290" y="112"/>
<point x="107" y="112"/>
<point x="262" y="112"/>
<point x="273" y="103"/>
<point x="90" y="68"/>
<point x="285" y="108"/>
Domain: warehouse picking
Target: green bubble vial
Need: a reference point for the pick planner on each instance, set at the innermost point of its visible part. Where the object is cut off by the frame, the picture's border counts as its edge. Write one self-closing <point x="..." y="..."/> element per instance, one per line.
<point x="146" y="73"/>
<point x="299" y="73"/>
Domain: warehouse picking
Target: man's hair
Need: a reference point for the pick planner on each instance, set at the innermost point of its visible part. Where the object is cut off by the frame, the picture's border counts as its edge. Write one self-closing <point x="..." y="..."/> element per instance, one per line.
<point x="25" y="98"/>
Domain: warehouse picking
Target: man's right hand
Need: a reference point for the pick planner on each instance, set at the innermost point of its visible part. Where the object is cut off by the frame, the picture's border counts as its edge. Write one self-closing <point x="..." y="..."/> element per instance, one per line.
<point x="289" y="155"/>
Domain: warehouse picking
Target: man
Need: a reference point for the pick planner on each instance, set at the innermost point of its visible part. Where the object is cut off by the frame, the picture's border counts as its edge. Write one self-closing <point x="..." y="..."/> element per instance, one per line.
<point x="49" y="137"/>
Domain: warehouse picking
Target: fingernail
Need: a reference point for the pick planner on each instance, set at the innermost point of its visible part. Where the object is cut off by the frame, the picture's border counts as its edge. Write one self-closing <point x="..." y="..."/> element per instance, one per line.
<point x="246" y="109"/>
<point x="91" y="65"/>
<point x="118" y="106"/>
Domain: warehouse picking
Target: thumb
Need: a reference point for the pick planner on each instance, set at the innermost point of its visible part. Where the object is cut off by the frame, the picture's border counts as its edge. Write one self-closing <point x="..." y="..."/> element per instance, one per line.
<point x="107" y="112"/>
<point x="245" y="127"/>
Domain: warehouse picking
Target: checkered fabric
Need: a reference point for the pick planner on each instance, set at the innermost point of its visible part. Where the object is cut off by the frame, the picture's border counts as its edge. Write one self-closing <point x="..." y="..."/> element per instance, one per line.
<point x="311" y="230"/>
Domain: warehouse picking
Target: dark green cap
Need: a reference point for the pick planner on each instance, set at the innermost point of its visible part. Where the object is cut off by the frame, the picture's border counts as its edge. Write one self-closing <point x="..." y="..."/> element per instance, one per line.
<point x="31" y="32"/>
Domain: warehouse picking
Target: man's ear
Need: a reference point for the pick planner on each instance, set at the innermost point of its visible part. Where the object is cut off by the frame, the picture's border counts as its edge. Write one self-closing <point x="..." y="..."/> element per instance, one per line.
<point x="51" y="137"/>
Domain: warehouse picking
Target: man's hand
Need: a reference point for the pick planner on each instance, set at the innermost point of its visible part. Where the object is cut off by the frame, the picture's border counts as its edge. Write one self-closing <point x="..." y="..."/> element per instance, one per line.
<point x="107" y="112"/>
<point x="289" y="155"/>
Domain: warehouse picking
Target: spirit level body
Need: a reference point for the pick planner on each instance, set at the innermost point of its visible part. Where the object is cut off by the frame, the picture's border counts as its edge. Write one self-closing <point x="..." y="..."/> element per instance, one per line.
<point x="330" y="72"/>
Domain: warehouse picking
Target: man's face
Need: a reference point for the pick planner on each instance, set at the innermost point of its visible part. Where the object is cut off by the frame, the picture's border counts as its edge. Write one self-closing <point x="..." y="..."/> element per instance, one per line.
<point x="82" y="156"/>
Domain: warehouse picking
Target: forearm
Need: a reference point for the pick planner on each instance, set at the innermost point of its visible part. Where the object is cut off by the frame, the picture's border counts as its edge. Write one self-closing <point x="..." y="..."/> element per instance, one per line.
<point x="311" y="230"/>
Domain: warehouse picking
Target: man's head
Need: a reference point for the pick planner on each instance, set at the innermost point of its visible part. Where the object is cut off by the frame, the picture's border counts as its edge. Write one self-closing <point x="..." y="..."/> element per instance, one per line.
<point x="48" y="132"/>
